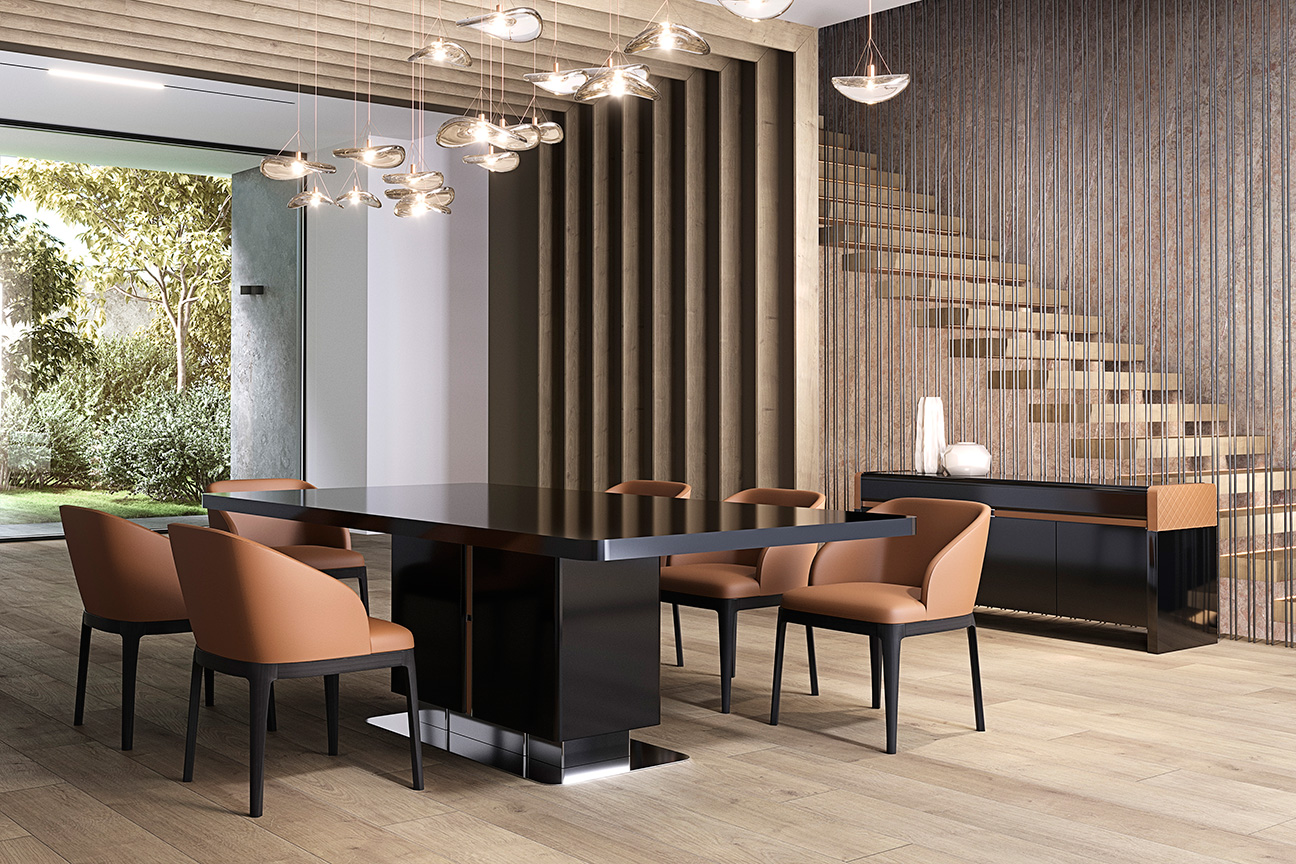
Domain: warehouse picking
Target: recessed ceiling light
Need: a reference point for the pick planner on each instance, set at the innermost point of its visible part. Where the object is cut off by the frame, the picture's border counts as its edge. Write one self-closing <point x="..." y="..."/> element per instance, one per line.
<point x="107" y="79"/>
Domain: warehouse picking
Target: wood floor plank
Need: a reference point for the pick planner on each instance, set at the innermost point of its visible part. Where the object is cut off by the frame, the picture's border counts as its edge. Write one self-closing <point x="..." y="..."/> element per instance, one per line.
<point x="28" y="850"/>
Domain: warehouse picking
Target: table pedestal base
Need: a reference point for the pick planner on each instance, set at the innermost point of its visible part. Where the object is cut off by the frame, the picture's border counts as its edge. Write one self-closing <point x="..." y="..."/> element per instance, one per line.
<point x="572" y="761"/>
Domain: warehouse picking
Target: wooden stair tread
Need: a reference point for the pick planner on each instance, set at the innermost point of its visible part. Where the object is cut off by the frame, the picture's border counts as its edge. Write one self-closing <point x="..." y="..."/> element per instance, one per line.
<point x="844" y="153"/>
<point x="962" y="291"/>
<point x="1146" y="412"/>
<point x="860" y="174"/>
<point x="929" y="264"/>
<point x="1046" y="349"/>
<point x="841" y="211"/>
<point x="906" y="241"/>
<point x="1255" y="522"/>
<point x="1040" y="379"/>
<point x="1121" y="447"/>
<point x="1024" y="320"/>
<point x="870" y="193"/>
<point x="1251" y="481"/>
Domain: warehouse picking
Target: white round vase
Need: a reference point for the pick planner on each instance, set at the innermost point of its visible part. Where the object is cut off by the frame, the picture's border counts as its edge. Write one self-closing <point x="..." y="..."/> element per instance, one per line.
<point x="966" y="459"/>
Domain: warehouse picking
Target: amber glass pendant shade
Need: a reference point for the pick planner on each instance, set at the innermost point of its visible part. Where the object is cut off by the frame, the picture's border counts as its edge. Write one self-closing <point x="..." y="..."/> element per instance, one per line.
<point x="519" y="24"/>
<point x="442" y="197"/>
<point x="465" y="131"/>
<point x="313" y="197"/>
<point x="292" y="167"/>
<point x="757" y="10"/>
<point x="616" y="81"/>
<point x="418" y="204"/>
<point x="550" y="133"/>
<point x="443" y="52"/>
<point x="668" y="37"/>
<point x="497" y="162"/>
<point x="384" y="156"/>
<point x="528" y="132"/>
<point x="357" y="197"/>
<point x="558" y="82"/>
<point x="419" y="181"/>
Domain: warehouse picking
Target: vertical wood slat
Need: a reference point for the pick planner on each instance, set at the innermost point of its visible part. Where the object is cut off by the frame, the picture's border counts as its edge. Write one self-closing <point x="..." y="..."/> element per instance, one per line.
<point x="767" y="407"/>
<point x="695" y="287"/>
<point x="572" y="389"/>
<point x="807" y="335"/>
<point x="631" y="267"/>
<point x="662" y="311"/>
<point x="600" y="392"/>
<point x="546" y="297"/>
<point x="730" y="252"/>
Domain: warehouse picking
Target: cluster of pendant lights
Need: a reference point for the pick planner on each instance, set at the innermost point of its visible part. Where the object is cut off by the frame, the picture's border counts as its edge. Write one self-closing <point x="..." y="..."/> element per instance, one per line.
<point x="416" y="192"/>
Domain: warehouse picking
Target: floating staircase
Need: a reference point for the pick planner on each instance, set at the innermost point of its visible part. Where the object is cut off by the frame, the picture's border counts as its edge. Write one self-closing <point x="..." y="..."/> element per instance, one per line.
<point x="1114" y="410"/>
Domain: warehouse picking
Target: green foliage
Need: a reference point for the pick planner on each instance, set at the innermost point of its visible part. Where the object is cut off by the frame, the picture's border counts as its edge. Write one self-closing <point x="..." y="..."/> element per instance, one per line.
<point x="158" y="238"/>
<point x="50" y="442"/>
<point x="171" y="446"/>
<point x="125" y="371"/>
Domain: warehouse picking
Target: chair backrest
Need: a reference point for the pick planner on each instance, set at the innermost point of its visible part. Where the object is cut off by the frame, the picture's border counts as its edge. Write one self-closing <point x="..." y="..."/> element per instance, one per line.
<point x="791" y="556"/>
<point x="652" y="488"/>
<point x="943" y="556"/>
<point x="248" y="602"/>
<point x="268" y="531"/>
<point x="124" y="571"/>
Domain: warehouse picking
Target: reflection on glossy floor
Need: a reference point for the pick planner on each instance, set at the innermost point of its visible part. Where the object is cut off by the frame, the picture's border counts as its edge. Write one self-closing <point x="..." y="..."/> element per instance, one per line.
<point x="1094" y="753"/>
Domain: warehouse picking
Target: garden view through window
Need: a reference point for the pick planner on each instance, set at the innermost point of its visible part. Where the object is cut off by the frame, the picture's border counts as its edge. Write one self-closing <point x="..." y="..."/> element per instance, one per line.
<point x="114" y="339"/>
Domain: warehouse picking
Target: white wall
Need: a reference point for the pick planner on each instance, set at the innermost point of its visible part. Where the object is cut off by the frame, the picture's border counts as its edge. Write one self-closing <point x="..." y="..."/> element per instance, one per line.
<point x="396" y="333"/>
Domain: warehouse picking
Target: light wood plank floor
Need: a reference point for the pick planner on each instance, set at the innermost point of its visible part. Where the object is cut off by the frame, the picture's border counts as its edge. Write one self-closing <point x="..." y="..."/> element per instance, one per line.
<point x="1095" y="752"/>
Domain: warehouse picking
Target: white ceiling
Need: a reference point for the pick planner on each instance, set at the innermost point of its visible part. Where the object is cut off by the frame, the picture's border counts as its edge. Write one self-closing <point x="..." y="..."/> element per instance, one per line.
<point x="821" y="13"/>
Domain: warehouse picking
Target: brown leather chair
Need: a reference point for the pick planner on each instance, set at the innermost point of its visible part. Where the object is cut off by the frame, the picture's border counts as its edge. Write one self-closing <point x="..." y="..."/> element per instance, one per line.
<point x="128" y="586"/>
<point x="729" y="582"/>
<point x="323" y="547"/>
<point x="895" y="587"/>
<point x="659" y="489"/>
<point x="652" y="488"/>
<point x="261" y="615"/>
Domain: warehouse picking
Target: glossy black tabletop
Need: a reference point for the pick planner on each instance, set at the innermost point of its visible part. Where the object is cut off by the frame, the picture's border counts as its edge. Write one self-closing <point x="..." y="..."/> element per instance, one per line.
<point x="562" y="523"/>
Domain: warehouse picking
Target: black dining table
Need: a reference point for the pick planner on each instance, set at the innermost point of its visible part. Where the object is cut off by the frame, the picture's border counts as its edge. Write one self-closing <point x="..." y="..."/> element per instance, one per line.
<point x="535" y="611"/>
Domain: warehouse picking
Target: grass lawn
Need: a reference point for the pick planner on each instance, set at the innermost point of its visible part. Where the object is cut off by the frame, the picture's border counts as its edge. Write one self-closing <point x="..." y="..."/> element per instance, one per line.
<point x="28" y="506"/>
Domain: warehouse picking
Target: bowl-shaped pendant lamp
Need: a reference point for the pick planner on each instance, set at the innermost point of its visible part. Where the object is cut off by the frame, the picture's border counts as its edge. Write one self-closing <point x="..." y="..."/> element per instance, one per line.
<point x="382" y="156"/>
<point x="558" y="82"/>
<point x="871" y="88"/>
<point x="497" y="161"/>
<point x="442" y="52"/>
<point x="357" y="197"/>
<point x="616" y="81"/>
<point x="550" y="133"/>
<point x="417" y="205"/>
<point x="528" y="132"/>
<point x="668" y="37"/>
<point x="419" y="181"/>
<point x="442" y="197"/>
<point x="292" y="167"/>
<point x="757" y="10"/>
<point x="313" y="197"/>
<point x="465" y="131"/>
<point x="519" y="24"/>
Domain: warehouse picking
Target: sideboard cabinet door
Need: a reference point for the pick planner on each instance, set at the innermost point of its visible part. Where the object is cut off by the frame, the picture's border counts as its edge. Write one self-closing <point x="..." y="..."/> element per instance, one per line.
<point x="1020" y="566"/>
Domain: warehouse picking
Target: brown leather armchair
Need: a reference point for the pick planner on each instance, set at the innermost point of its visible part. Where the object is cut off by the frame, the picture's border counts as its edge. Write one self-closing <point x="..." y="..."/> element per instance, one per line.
<point x="323" y="547"/>
<point x="261" y="615"/>
<point x="128" y="586"/>
<point x="895" y="587"/>
<point x="729" y="582"/>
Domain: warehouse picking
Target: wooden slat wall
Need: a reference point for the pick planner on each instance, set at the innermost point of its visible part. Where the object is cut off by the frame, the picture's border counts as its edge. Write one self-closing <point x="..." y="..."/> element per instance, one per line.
<point x="697" y="311"/>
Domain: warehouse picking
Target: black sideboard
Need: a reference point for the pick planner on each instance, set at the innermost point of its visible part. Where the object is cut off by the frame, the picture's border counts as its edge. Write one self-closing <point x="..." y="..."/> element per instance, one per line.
<point x="1142" y="555"/>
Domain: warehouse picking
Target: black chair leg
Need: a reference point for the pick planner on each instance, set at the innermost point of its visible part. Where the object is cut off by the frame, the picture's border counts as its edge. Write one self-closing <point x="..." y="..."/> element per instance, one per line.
<point x="130" y="666"/>
<point x="272" y="716"/>
<point x="191" y="730"/>
<point x="331" y="709"/>
<point x="976" y="678"/>
<point x="728" y="647"/>
<point x="259" y="683"/>
<point x="83" y="669"/>
<point x="814" y="667"/>
<point x="412" y="709"/>
<point x="778" y="668"/>
<point x="875" y="669"/>
<point x="211" y="687"/>
<point x="364" y="588"/>
<point x="679" y="640"/>
<point x="890" y="639"/>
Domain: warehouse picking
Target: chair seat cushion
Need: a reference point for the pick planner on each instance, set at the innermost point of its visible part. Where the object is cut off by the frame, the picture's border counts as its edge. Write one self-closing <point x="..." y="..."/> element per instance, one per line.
<point x="324" y="557"/>
<point x="386" y="636"/>
<point x="725" y="581"/>
<point x="878" y="602"/>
